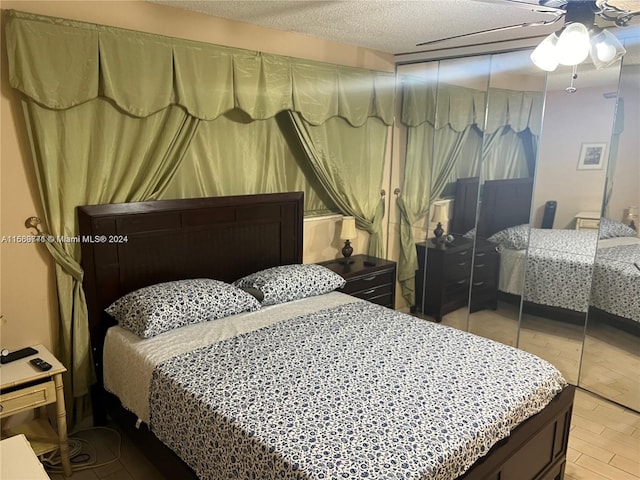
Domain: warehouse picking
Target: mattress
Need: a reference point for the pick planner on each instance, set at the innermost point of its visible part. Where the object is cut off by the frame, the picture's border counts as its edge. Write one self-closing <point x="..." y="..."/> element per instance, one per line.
<point x="616" y="280"/>
<point x="560" y="272"/>
<point x="328" y="387"/>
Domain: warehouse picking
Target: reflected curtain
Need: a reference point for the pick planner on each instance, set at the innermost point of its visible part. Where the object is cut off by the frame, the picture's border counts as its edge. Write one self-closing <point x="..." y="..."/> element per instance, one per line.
<point x="457" y="124"/>
<point x="349" y="163"/>
<point x="618" y="128"/>
<point x="93" y="154"/>
<point x="504" y="155"/>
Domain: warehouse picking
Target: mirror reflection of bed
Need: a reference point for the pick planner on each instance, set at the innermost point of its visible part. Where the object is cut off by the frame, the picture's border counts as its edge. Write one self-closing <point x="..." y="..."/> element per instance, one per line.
<point x="585" y="325"/>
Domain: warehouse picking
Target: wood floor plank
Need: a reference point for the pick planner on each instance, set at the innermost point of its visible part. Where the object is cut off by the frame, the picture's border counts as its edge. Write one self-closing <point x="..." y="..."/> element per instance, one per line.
<point x="629" y="466"/>
<point x="604" y="469"/>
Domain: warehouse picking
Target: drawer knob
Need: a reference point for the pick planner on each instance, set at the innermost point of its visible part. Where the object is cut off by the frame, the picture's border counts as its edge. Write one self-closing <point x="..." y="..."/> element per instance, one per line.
<point x="368" y="279"/>
<point x="369" y="292"/>
<point x="478" y="284"/>
<point x="462" y="264"/>
<point x="481" y="254"/>
<point x="479" y="265"/>
<point x="460" y="282"/>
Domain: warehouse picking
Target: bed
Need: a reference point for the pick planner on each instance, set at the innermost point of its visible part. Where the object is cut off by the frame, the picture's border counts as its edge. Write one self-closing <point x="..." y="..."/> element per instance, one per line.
<point x="336" y="412"/>
<point x="554" y="269"/>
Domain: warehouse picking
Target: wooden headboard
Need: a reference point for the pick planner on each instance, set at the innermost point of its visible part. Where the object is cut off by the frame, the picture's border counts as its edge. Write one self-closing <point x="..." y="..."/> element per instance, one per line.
<point x="127" y="246"/>
<point x="504" y="203"/>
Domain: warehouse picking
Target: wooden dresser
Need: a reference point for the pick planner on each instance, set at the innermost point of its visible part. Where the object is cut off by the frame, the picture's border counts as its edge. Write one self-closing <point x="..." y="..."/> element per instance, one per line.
<point x="369" y="278"/>
<point x="442" y="284"/>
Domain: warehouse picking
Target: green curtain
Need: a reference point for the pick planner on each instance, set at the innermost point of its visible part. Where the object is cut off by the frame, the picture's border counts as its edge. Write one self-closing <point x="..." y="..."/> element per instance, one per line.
<point x="219" y="163"/>
<point x="61" y="63"/>
<point x="112" y="114"/>
<point x="94" y="154"/>
<point x="349" y="163"/>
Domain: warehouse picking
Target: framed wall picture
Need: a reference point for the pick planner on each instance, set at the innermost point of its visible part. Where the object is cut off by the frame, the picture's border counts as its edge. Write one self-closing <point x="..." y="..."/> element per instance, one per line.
<point x="592" y="156"/>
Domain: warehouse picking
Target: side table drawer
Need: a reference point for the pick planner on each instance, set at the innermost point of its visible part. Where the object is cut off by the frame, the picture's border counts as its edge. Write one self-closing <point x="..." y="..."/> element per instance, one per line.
<point x="587" y="224"/>
<point x="369" y="281"/>
<point x="27" y="398"/>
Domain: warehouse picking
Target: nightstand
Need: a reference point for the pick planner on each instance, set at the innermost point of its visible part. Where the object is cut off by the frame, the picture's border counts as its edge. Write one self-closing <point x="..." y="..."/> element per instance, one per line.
<point x="26" y="388"/>
<point x="369" y="278"/>
<point x="587" y="220"/>
<point x="442" y="284"/>
<point x="23" y="464"/>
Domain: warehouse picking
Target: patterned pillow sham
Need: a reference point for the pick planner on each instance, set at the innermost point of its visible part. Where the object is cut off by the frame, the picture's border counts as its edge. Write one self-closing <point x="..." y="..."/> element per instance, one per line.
<point x="513" y="238"/>
<point x="286" y="283"/>
<point x="159" y="308"/>
<point x="612" y="229"/>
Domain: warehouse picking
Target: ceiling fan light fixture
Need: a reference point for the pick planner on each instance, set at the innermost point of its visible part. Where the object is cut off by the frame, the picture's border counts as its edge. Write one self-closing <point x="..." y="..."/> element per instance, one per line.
<point x="573" y="45"/>
<point x="606" y="49"/>
<point x="545" y="55"/>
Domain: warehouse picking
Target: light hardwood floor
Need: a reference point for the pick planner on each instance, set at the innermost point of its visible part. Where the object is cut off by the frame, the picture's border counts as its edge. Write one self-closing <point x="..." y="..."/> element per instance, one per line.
<point x="604" y="444"/>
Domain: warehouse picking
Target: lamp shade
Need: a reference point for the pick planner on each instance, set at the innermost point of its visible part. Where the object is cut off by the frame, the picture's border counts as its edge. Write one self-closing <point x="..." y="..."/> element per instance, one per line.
<point x="573" y="44"/>
<point x="606" y="49"/>
<point x="348" y="228"/>
<point x="545" y="56"/>
<point x="439" y="213"/>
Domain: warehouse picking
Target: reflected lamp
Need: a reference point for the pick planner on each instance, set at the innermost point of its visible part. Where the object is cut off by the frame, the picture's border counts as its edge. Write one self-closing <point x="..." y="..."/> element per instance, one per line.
<point x="439" y="216"/>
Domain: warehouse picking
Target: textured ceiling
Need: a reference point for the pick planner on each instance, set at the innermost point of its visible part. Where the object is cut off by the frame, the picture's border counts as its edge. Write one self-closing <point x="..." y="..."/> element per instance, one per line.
<point x="392" y="26"/>
<point x="396" y="26"/>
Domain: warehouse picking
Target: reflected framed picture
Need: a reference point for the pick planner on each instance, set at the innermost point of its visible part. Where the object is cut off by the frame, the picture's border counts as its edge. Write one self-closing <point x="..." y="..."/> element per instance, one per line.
<point x="592" y="156"/>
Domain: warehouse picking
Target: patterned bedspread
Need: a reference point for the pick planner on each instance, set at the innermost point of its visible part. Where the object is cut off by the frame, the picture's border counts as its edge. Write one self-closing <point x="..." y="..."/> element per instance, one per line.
<point x="616" y="281"/>
<point x="353" y="391"/>
<point x="559" y="268"/>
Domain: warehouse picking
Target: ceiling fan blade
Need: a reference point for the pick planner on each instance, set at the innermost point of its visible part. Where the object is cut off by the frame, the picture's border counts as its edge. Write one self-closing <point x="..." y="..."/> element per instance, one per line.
<point x="493" y="30"/>
<point x="538" y="8"/>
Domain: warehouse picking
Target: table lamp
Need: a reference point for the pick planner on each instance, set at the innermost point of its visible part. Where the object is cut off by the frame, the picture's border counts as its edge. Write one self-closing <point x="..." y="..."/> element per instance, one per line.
<point x="347" y="233"/>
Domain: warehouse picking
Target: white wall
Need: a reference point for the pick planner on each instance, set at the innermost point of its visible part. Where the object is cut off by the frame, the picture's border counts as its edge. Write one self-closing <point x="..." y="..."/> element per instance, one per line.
<point x="570" y="120"/>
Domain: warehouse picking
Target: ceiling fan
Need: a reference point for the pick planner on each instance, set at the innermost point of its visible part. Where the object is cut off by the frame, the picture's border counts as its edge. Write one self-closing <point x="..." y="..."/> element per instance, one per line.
<point x="600" y="13"/>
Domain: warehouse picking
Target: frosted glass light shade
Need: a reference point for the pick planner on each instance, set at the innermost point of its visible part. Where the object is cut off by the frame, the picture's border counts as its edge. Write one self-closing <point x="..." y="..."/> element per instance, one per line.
<point x="545" y="56"/>
<point x="606" y="49"/>
<point x="573" y="45"/>
<point x="348" y="229"/>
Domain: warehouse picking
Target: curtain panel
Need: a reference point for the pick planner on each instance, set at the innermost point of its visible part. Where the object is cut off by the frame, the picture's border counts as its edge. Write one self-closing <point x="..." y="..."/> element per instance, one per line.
<point x="119" y="116"/>
<point x="62" y="63"/>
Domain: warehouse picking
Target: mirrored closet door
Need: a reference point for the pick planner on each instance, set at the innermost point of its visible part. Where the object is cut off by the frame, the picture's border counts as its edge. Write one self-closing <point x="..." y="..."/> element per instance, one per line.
<point x="568" y="194"/>
<point x="611" y="353"/>
<point x="510" y="140"/>
<point x="526" y="193"/>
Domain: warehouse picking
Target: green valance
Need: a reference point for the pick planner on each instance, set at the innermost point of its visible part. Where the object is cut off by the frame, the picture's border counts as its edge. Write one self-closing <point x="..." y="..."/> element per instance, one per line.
<point x="460" y="107"/>
<point x="62" y="63"/>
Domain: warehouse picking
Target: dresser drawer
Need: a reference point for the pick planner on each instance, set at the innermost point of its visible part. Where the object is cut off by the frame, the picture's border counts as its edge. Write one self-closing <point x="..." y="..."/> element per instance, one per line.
<point x="369" y="281"/>
<point x="27" y="398"/>
<point x="457" y="267"/>
<point x="484" y="268"/>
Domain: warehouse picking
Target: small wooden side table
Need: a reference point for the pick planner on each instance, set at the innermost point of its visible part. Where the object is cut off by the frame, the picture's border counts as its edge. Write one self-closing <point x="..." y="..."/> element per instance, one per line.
<point x="23" y="388"/>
